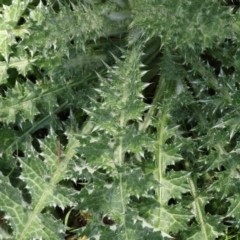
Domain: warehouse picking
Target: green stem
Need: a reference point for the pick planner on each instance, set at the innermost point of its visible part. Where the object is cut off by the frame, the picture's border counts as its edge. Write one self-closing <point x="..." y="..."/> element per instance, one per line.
<point x="160" y="159"/>
<point x="197" y="207"/>
<point x="120" y="159"/>
<point x="148" y="117"/>
<point x="56" y="177"/>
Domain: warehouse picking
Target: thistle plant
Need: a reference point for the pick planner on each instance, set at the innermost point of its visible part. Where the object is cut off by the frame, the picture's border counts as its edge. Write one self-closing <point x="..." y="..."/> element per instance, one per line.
<point x="119" y="119"/>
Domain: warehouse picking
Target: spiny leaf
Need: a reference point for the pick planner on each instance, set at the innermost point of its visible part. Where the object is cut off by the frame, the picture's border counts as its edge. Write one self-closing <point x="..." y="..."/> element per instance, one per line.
<point x="168" y="219"/>
<point x="8" y="26"/>
<point x="174" y="184"/>
<point x="23" y="104"/>
<point x="41" y="178"/>
<point x="211" y="231"/>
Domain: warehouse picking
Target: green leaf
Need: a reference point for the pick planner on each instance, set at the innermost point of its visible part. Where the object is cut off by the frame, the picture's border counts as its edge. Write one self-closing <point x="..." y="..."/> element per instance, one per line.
<point x="8" y="26"/>
<point x="174" y="184"/>
<point x="211" y="230"/>
<point x="19" y="101"/>
<point x="231" y="122"/>
<point x="3" y="72"/>
<point x="167" y="219"/>
<point x="41" y="178"/>
<point x="233" y="210"/>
